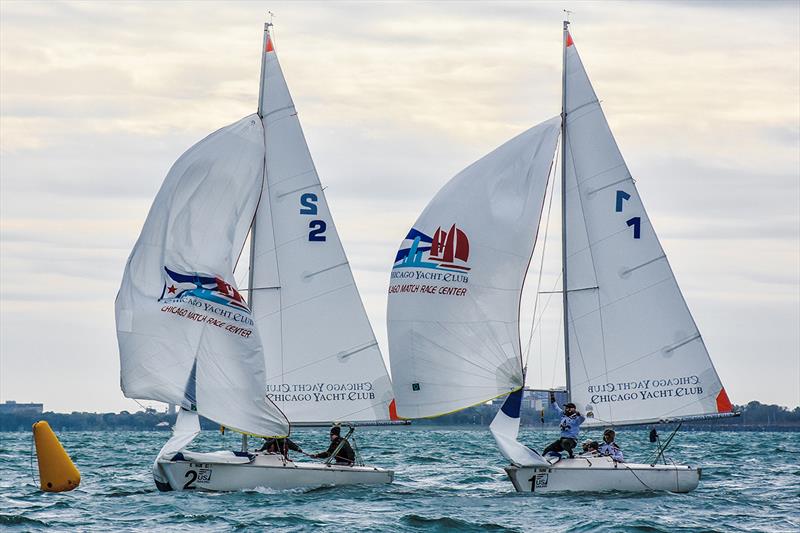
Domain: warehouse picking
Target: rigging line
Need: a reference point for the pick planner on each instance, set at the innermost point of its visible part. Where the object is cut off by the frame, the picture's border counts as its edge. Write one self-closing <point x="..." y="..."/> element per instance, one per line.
<point x="523" y="358"/>
<point x="546" y="304"/>
<point x="594" y="270"/>
<point x="541" y="264"/>
<point x="571" y="319"/>
<point x="558" y="343"/>
<point x="648" y="487"/>
<point x="268" y="186"/>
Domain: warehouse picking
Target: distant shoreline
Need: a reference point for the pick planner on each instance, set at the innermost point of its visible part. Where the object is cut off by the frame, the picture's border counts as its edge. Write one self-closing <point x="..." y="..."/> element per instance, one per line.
<point x="754" y="417"/>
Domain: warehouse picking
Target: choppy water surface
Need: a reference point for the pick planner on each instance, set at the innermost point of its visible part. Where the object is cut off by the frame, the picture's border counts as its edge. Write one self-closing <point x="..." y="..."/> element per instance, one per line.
<point x="446" y="479"/>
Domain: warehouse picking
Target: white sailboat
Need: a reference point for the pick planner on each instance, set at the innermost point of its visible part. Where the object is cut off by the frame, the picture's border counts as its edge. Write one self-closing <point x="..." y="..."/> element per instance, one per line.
<point x="299" y="350"/>
<point x="632" y="350"/>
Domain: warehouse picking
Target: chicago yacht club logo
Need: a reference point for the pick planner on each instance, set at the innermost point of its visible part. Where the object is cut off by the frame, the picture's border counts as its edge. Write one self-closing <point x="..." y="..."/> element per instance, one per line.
<point x="446" y="250"/>
<point x="178" y="286"/>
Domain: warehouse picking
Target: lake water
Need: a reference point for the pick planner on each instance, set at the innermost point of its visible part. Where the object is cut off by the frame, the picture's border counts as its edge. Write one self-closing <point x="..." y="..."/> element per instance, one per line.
<point x="446" y="480"/>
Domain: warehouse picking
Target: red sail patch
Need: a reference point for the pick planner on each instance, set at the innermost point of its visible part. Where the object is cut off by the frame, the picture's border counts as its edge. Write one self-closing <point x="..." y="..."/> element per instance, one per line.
<point x="569" y="40"/>
<point x="270" y="48"/>
<point x="393" y="411"/>
<point x="723" y="403"/>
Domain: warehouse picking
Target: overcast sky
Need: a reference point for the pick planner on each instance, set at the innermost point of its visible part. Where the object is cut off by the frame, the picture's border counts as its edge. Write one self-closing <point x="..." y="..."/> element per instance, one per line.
<point x="98" y="99"/>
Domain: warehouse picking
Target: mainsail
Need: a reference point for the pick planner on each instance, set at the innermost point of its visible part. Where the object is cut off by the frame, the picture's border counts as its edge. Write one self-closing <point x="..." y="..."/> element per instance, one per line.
<point x="635" y="353"/>
<point x="323" y="362"/>
<point x="185" y="333"/>
<point x="454" y="294"/>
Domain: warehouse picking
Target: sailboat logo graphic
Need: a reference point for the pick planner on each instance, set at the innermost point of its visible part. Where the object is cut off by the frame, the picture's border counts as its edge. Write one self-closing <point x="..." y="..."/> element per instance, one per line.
<point x="210" y="288"/>
<point x="446" y="250"/>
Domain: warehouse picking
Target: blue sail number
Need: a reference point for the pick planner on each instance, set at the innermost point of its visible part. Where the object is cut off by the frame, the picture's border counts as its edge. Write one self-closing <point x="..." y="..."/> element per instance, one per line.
<point x="317" y="233"/>
<point x="621" y="195"/>
<point x="308" y="202"/>
<point x="636" y="222"/>
<point x="308" y="206"/>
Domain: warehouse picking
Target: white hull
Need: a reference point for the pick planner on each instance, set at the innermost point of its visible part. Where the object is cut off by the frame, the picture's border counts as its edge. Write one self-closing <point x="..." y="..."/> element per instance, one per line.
<point x="264" y="470"/>
<point x="602" y="474"/>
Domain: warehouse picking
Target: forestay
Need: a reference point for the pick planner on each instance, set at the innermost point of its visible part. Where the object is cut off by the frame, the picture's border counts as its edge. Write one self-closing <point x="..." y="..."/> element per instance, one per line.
<point x="453" y="310"/>
<point x="636" y="354"/>
<point x="185" y="334"/>
<point x="323" y="362"/>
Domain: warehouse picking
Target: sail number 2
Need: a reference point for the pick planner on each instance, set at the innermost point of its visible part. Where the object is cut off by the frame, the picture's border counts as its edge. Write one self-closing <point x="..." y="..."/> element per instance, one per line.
<point x="308" y="206"/>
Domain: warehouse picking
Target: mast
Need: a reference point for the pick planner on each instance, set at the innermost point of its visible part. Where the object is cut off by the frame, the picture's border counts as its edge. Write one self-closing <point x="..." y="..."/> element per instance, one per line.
<point x="565" y="301"/>
<point x="251" y="266"/>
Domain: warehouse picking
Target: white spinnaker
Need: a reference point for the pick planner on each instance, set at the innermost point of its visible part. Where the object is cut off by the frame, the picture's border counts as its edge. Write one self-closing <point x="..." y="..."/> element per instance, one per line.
<point x="323" y="362"/>
<point x="184" y="336"/>
<point x="454" y="294"/>
<point x="635" y="351"/>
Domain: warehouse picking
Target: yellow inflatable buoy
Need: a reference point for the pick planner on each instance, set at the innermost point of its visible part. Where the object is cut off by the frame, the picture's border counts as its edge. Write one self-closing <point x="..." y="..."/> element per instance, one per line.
<point x="57" y="472"/>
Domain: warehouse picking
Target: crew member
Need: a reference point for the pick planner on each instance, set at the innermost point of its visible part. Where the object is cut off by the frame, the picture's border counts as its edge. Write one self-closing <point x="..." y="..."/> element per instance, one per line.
<point x="610" y="448"/>
<point x="571" y="421"/>
<point x="345" y="456"/>
<point x="591" y="448"/>
<point x="280" y="445"/>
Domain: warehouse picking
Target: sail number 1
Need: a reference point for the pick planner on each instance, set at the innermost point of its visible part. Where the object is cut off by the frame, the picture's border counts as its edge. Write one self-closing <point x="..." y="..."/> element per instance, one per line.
<point x="635" y="222"/>
<point x="308" y="206"/>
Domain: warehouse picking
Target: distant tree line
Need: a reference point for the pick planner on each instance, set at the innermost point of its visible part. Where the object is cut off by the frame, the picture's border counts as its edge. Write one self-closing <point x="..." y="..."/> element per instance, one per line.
<point x="754" y="416"/>
<point x="124" y="421"/>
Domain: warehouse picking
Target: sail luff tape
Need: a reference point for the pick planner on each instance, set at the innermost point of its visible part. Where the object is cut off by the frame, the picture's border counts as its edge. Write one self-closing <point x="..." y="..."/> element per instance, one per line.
<point x="57" y="472"/>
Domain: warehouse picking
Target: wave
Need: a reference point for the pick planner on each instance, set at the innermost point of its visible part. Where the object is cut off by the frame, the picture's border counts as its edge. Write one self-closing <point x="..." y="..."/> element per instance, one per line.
<point x="446" y="523"/>
<point x="19" y="520"/>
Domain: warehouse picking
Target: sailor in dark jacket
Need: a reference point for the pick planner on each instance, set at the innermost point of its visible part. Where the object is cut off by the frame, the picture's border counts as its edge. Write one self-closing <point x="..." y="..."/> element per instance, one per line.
<point x="280" y="445"/>
<point x="346" y="456"/>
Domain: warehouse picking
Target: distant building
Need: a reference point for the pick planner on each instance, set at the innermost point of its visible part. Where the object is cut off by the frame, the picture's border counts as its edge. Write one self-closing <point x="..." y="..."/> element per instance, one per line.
<point x="13" y="408"/>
